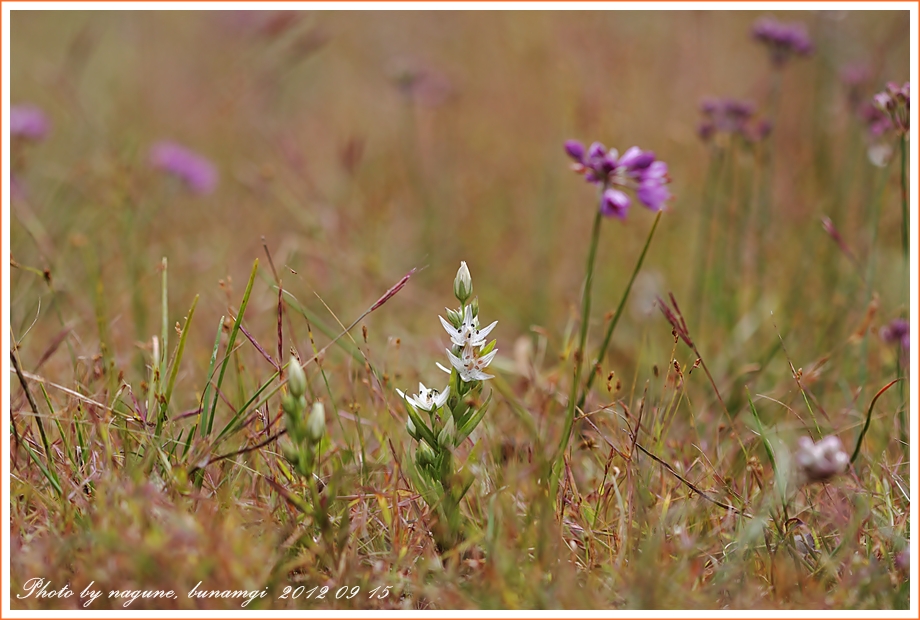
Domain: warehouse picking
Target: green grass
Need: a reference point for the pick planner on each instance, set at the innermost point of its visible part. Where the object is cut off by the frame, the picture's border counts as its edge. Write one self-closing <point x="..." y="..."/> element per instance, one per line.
<point x="146" y="454"/>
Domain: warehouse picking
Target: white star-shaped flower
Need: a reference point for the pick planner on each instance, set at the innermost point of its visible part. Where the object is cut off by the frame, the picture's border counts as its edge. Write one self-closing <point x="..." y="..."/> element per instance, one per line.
<point x="470" y="365"/>
<point x="427" y="399"/>
<point x="469" y="332"/>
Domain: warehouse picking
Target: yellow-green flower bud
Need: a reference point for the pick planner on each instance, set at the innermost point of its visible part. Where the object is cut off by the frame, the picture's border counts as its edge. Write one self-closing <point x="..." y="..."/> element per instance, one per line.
<point x="424" y="455"/>
<point x="463" y="283"/>
<point x="454" y="317"/>
<point x="297" y="380"/>
<point x="448" y="433"/>
<point x="289" y="450"/>
<point x="316" y="423"/>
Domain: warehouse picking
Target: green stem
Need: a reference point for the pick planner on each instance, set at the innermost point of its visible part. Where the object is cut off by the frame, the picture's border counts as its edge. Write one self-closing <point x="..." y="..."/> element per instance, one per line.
<point x="765" y="205"/>
<point x="616" y="317"/>
<point x="582" y="340"/>
<point x="710" y="187"/>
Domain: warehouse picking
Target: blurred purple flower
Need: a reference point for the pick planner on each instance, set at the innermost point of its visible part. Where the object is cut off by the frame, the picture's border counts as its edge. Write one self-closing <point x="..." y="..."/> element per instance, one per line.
<point x="731" y="117"/>
<point x="636" y="170"/>
<point x="782" y="40"/>
<point x="897" y="331"/>
<point x="877" y="121"/>
<point x="855" y="74"/>
<point x="197" y="172"/>
<point x="29" y="122"/>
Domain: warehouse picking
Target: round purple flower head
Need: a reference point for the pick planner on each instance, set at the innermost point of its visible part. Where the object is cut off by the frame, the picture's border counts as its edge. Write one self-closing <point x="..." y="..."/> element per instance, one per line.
<point x="29" y="122"/>
<point x="635" y="170"/>
<point x="782" y="40"/>
<point x="197" y="172"/>
<point x="894" y="101"/>
<point x="898" y="331"/>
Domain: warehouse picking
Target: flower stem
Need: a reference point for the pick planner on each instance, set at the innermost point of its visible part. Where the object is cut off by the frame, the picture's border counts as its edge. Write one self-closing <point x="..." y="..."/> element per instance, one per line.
<point x="616" y="317"/>
<point x="582" y="340"/>
<point x="710" y="195"/>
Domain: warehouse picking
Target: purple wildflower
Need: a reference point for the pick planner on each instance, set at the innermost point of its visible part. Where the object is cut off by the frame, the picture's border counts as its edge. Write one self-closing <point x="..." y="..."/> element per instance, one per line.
<point x="731" y="117"/>
<point x="782" y="40"/>
<point x="897" y="331"/>
<point x="29" y="122"/>
<point x="636" y="170"/>
<point x="894" y="102"/>
<point x="198" y="173"/>
<point x="877" y="121"/>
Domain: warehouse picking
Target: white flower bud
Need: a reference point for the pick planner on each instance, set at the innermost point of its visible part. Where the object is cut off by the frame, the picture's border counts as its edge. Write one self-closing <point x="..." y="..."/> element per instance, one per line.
<point x="316" y="423"/>
<point x="463" y="283"/>
<point x="297" y="380"/>
<point x="410" y="427"/>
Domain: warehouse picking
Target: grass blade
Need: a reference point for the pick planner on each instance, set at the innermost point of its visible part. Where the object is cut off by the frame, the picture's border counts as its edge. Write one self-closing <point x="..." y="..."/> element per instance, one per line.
<point x="233" y="332"/>
<point x="865" y="427"/>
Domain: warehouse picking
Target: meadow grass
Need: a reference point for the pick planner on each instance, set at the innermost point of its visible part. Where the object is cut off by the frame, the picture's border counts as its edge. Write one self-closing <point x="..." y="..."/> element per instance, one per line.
<point x="641" y="445"/>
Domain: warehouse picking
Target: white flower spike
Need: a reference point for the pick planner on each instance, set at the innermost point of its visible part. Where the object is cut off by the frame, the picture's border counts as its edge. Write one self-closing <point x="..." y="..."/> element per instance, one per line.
<point x="427" y="399"/>
<point x="471" y="366"/>
<point x="469" y="332"/>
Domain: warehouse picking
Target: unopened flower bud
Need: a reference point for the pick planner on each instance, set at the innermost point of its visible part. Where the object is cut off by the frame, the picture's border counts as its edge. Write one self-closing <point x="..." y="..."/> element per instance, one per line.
<point x="410" y="427"/>
<point x="293" y="406"/>
<point x="289" y="450"/>
<point x="447" y="435"/>
<point x="474" y="305"/>
<point x="424" y="455"/>
<point x="297" y="380"/>
<point x="463" y="283"/>
<point x="316" y="422"/>
<point x="454" y="317"/>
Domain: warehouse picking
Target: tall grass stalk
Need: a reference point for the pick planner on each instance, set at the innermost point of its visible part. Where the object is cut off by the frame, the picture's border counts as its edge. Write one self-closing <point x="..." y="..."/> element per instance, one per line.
<point x="710" y="185"/>
<point x="619" y="311"/>
<point x="582" y="341"/>
<point x="765" y="203"/>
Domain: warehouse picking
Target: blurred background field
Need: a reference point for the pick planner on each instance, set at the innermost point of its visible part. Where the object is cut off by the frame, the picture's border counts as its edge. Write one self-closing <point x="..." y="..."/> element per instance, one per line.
<point x="359" y="145"/>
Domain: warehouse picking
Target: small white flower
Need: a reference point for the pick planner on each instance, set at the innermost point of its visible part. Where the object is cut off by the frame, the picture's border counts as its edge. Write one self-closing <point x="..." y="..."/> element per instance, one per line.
<point x="470" y="365"/>
<point x="469" y="332"/>
<point x="821" y="460"/>
<point x="427" y="399"/>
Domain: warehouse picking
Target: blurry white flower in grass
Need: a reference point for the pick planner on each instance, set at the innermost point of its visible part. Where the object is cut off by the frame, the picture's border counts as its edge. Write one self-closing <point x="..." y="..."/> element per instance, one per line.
<point x="427" y="399"/>
<point x="469" y="365"/>
<point x="822" y="460"/>
<point x="469" y="332"/>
